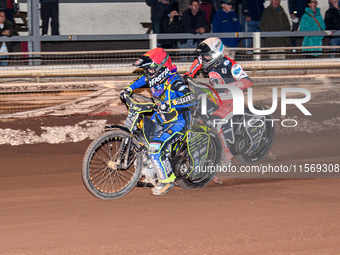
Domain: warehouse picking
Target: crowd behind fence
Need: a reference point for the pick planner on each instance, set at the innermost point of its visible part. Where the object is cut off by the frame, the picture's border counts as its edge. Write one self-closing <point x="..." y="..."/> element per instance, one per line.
<point x="34" y="39"/>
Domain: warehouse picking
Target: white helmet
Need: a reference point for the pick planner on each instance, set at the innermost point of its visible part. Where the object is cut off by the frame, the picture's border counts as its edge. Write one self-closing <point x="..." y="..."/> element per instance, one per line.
<point x="211" y="50"/>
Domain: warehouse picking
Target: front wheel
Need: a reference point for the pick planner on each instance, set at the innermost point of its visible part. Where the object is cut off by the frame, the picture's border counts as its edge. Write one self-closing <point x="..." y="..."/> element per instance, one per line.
<point x="102" y="175"/>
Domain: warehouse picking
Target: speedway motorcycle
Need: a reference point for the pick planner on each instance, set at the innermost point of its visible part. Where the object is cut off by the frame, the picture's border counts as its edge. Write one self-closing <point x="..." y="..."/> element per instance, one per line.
<point x="117" y="160"/>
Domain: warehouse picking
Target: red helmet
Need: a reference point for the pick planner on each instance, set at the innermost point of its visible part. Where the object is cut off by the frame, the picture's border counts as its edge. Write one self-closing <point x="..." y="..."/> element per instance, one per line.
<point x="154" y="62"/>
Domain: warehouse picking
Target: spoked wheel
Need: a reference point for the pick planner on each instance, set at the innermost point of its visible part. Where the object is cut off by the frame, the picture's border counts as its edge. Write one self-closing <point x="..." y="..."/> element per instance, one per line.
<point x="102" y="173"/>
<point x="200" y="180"/>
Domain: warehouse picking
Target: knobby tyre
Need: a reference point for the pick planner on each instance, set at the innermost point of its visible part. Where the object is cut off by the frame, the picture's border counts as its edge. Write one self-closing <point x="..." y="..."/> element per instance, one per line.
<point x="213" y="158"/>
<point x="101" y="175"/>
<point x="263" y="149"/>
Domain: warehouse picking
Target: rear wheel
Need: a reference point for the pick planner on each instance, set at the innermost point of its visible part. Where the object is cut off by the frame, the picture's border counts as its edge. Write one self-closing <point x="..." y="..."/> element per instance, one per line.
<point x="266" y="144"/>
<point x="102" y="175"/>
<point x="202" y="179"/>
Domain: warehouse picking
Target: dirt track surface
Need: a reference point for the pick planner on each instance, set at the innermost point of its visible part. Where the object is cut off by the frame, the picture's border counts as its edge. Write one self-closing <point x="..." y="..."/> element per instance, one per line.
<point x="45" y="208"/>
<point x="53" y="214"/>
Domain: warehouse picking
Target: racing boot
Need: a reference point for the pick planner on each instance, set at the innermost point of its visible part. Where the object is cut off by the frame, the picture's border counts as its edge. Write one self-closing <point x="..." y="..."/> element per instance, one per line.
<point x="216" y="180"/>
<point x="162" y="188"/>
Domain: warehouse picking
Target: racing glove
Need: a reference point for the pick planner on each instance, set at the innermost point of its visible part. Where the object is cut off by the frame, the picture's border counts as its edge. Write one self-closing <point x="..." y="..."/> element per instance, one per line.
<point x="163" y="107"/>
<point x="125" y="92"/>
<point x="186" y="76"/>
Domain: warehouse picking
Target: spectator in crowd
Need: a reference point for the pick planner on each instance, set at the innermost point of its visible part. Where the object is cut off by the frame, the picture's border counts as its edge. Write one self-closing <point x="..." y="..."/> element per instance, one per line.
<point x="252" y="11"/>
<point x="194" y="21"/>
<point x="217" y="5"/>
<point x="171" y="23"/>
<point x="158" y="8"/>
<point x="226" y="20"/>
<point x="296" y="10"/>
<point x="6" y="29"/>
<point x="332" y="21"/>
<point x="274" y="18"/>
<point x="49" y="9"/>
<point x="207" y="7"/>
<point x="10" y="7"/>
<point x="312" y="21"/>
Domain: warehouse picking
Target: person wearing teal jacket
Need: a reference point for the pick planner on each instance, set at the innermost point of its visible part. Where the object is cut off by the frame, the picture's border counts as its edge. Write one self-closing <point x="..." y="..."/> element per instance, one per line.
<point x="312" y="20"/>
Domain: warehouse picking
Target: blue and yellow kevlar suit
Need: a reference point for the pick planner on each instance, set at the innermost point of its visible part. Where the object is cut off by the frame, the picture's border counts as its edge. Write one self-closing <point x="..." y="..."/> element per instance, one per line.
<point x="169" y="122"/>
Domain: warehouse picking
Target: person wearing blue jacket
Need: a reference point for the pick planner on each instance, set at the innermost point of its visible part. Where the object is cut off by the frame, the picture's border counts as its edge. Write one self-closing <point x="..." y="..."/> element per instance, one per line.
<point x="227" y="21"/>
<point x="158" y="8"/>
<point x="312" y="21"/>
<point x="332" y="21"/>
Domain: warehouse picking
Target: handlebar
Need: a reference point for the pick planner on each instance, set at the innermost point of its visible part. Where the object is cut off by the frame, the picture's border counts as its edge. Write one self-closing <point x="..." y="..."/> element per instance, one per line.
<point x="136" y="107"/>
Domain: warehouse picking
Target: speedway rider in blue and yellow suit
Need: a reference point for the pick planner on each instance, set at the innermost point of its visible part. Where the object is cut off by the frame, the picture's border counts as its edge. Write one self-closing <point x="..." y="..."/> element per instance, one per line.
<point x="171" y="119"/>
